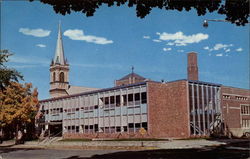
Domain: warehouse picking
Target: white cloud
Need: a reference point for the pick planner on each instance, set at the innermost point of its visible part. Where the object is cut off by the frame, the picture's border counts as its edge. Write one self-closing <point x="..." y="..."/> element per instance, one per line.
<point x="41" y="45"/>
<point x="26" y="66"/>
<point x="227" y="50"/>
<point x="156" y="40"/>
<point x="146" y="37"/>
<point x="179" y="39"/>
<point x="35" y="32"/>
<point x="181" y="44"/>
<point x="79" y="35"/>
<point x="180" y="50"/>
<point x="221" y="46"/>
<point x="170" y="43"/>
<point x="239" y="49"/>
<point x="29" y="60"/>
<point x="219" y="55"/>
<point x="167" y="49"/>
<point x="206" y="48"/>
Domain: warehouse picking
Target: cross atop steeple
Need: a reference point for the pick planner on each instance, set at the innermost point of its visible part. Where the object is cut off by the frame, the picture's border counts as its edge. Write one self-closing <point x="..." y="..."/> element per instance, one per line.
<point x="59" y="53"/>
<point x="132" y="68"/>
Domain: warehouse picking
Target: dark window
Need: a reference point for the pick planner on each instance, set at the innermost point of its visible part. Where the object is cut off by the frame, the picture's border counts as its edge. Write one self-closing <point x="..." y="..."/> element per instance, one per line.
<point x="137" y="96"/>
<point x="125" y="128"/>
<point x="73" y="127"/>
<point x="47" y="111"/>
<point x="86" y="127"/>
<point x="130" y="97"/>
<point x="118" y="129"/>
<point x="143" y="97"/>
<point x="77" y="128"/>
<point x="145" y="125"/>
<point x="61" y="77"/>
<point x="96" y="127"/>
<point x="91" y="127"/>
<point x="118" y="102"/>
<point x="131" y="125"/>
<point x="77" y="109"/>
<point x="54" y="76"/>
<point x="61" y="110"/>
<point x="106" y="100"/>
<point x="137" y="125"/>
<point x="96" y="106"/>
<point x="112" y="100"/>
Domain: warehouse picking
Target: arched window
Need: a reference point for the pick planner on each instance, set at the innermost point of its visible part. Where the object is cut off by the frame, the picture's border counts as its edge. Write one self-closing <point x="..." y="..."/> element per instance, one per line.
<point x="54" y="77"/>
<point x="61" y="77"/>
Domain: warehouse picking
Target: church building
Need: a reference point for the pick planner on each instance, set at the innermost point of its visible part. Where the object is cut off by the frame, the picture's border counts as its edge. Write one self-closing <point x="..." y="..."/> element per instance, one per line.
<point x="136" y="107"/>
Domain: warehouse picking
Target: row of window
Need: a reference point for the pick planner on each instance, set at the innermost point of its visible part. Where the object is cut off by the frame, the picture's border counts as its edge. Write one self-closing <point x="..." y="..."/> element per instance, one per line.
<point x="73" y="110"/>
<point x="116" y="100"/>
<point x="131" y="127"/>
<point x="245" y="123"/>
<point x="245" y="109"/>
<point x="108" y="102"/>
<point x="234" y="97"/>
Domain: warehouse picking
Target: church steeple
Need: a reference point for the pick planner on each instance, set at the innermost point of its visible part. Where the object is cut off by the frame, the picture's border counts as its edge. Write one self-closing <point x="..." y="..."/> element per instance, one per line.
<point x="59" y="53"/>
<point x="59" y="70"/>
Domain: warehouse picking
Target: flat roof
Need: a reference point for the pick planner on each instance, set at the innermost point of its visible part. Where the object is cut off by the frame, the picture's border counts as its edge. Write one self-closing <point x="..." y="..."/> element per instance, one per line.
<point x="126" y="86"/>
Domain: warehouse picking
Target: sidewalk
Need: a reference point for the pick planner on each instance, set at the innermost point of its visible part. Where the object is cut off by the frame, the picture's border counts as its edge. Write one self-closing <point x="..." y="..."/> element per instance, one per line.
<point x="174" y="144"/>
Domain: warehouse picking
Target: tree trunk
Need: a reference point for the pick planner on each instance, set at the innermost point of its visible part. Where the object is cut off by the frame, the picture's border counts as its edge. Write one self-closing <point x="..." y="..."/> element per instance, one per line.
<point x="17" y="127"/>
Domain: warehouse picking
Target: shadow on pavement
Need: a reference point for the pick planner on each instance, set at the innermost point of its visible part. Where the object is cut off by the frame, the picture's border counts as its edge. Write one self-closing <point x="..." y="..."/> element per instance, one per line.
<point x="204" y="153"/>
<point x="11" y="148"/>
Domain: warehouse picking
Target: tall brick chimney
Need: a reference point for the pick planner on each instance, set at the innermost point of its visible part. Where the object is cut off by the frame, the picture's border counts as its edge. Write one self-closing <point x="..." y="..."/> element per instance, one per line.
<point x="192" y="68"/>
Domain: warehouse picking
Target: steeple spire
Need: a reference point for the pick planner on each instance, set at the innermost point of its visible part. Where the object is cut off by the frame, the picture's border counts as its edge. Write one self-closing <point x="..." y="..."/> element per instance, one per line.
<point x="59" y="53"/>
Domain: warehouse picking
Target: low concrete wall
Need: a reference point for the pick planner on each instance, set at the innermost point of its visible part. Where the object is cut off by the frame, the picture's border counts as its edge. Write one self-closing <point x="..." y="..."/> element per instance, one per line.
<point x="175" y="144"/>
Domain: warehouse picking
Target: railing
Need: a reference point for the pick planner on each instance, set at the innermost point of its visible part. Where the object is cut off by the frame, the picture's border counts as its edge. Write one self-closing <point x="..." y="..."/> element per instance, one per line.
<point x="50" y="138"/>
<point x="216" y="126"/>
<point x="196" y="129"/>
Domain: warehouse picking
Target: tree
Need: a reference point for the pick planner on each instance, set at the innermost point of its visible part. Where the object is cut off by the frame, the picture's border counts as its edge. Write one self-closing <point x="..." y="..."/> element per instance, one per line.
<point x="18" y="106"/>
<point x="236" y="11"/>
<point x="7" y="74"/>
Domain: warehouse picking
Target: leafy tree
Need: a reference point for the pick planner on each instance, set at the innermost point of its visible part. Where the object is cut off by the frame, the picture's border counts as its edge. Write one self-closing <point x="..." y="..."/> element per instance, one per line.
<point x="236" y="11"/>
<point x="18" y="106"/>
<point x="7" y="74"/>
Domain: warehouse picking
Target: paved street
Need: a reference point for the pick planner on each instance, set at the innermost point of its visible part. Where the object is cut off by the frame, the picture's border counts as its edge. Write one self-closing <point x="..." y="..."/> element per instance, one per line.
<point x="231" y="150"/>
<point x="34" y="153"/>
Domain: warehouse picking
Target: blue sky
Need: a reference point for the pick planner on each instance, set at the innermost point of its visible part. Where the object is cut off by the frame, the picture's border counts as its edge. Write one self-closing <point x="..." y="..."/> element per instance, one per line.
<point x="103" y="48"/>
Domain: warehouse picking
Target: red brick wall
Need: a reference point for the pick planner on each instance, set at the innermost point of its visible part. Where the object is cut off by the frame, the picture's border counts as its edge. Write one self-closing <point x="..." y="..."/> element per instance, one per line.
<point x="192" y="68"/>
<point x="231" y="107"/>
<point x="168" y="112"/>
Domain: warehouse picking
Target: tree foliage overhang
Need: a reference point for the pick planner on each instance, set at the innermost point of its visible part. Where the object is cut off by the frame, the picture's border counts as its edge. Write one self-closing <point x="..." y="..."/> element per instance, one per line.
<point x="236" y="11"/>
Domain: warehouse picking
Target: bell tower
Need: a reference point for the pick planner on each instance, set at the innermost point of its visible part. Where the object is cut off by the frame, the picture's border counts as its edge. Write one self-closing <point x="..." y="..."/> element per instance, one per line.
<point x="59" y="70"/>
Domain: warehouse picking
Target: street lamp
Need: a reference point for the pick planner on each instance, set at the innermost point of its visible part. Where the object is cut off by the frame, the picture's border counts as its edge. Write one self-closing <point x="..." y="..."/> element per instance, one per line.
<point x="205" y="22"/>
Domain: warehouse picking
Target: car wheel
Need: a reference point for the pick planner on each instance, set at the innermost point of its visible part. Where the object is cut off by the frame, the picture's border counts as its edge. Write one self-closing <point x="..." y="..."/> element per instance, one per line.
<point x="247" y="134"/>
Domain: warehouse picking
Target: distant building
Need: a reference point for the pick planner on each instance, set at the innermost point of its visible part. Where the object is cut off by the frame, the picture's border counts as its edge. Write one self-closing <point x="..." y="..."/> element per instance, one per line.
<point x="139" y="108"/>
